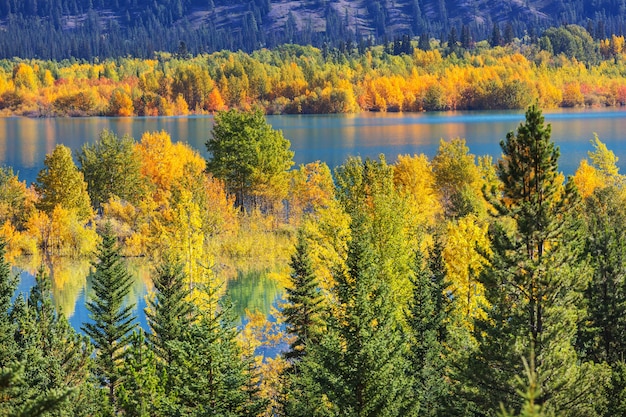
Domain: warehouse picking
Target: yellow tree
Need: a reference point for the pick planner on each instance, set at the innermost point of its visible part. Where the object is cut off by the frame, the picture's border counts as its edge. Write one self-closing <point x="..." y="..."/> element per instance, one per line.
<point x="458" y="179"/>
<point x="414" y="178"/>
<point x="61" y="183"/>
<point x="463" y="255"/>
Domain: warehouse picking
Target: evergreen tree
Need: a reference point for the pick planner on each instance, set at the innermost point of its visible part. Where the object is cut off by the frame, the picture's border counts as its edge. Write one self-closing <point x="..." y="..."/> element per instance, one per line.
<point x="8" y="284"/>
<point x="303" y="317"/>
<point x="509" y="35"/>
<point x="466" y="37"/>
<point x="359" y="364"/>
<point x="604" y="338"/>
<point x="303" y="309"/>
<point x="424" y="41"/>
<point x="496" y="36"/>
<point x="535" y="283"/>
<point x="54" y="354"/>
<point x="112" y="321"/>
<point x="141" y="391"/>
<point x="170" y="314"/>
<point x="426" y="319"/>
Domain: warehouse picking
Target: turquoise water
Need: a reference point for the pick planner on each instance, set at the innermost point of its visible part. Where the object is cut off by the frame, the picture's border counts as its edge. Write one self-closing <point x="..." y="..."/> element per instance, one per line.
<point x="329" y="138"/>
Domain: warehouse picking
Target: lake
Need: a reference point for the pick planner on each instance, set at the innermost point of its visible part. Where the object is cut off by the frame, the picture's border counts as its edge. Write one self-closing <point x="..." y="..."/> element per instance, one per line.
<point x="329" y="138"/>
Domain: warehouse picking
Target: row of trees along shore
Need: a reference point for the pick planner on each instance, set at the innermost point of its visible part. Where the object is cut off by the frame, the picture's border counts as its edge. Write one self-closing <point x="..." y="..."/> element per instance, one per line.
<point x="565" y="67"/>
<point x="447" y="287"/>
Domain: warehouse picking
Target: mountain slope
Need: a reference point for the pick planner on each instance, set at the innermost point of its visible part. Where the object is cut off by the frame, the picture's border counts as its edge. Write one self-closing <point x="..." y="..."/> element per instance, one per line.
<point x="88" y="28"/>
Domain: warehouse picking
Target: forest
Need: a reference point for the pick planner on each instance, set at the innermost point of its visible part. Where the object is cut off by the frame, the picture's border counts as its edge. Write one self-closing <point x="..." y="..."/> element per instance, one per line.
<point x="99" y="29"/>
<point x="565" y="67"/>
<point x="451" y="286"/>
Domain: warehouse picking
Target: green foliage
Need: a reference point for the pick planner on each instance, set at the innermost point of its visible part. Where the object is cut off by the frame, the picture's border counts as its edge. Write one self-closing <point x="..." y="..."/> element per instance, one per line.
<point x="111" y="167"/>
<point x="250" y="157"/>
<point x="359" y="363"/>
<point x="141" y="392"/>
<point x="208" y="373"/>
<point x="61" y="183"/>
<point x="303" y="308"/>
<point x="426" y="319"/>
<point x="170" y="314"/>
<point x="112" y="321"/>
<point x="536" y="283"/>
<point x="530" y="395"/>
<point x="15" y="204"/>
<point x="365" y="188"/>
<point x="604" y="335"/>
<point x="8" y="284"/>
<point x="573" y="41"/>
<point x="457" y="178"/>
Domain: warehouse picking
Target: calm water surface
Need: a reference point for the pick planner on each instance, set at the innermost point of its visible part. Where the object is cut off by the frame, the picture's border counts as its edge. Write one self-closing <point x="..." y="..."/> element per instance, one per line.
<point x="329" y="138"/>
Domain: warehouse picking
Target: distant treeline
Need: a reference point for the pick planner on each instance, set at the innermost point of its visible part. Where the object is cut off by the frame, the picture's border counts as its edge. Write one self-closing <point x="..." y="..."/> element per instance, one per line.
<point x="565" y="67"/>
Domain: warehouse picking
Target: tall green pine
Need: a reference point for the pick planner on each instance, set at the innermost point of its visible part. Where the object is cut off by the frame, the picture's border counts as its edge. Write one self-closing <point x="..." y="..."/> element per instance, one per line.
<point x="303" y="314"/>
<point x="113" y="322"/>
<point x="535" y="284"/>
<point x="8" y="284"/>
<point x="171" y="314"/>
<point x="141" y="392"/>
<point x="426" y="319"/>
<point x="303" y="309"/>
<point x="360" y="363"/>
<point x="208" y="371"/>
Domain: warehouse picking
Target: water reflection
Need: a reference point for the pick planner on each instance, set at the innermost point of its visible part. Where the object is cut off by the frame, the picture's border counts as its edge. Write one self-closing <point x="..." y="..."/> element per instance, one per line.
<point x="329" y="138"/>
<point x="254" y="291"/>
<point x="72" y="287"/>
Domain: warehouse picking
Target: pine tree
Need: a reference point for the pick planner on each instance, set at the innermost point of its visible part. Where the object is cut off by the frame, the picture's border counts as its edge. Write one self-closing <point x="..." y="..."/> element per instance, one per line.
<point x="170" y="314"/>
<point x="141" y="391"/>
<point x="112" y="321"/>
<point x="304" y="302"/>
<point x="208" y="371"/>
<point x="426" y="320"/>
<point x="359" y="363"/>
<point x="303" y="317"/>
<point x="8" y="284"/>
<point x="53" y="360"/>
<point x="496" y="36"/>
<point x="604" y="338"/>
<point x="535" y="282"/>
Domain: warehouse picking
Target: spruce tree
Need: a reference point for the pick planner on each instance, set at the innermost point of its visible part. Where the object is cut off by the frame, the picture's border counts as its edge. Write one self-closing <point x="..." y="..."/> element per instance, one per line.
<point x="303" y="317"/>
<point x="141" y="391"/>
<point x="170" y="314"/>
<point x="113" y="322"/>
<point x="360" y="363"/>
<point x="208" y="371"/>
<point x="8" y="284"/>
<point x="426" y="319"/>
<point x="303" y="309"/>
<point x="604" y="338"/>
<point x="53" y="360"/>
<point x="535" y="283"/>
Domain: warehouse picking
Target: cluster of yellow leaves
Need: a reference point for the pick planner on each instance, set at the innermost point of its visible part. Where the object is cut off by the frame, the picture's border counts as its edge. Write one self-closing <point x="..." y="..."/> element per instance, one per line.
<point x="464" y="256"/>
<point x="295" y="79"/>
<point x="602" y="172"/>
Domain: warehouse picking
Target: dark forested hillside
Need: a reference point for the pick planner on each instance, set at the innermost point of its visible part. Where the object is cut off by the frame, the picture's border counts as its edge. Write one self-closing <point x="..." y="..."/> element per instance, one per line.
<point x="103" y="28"/>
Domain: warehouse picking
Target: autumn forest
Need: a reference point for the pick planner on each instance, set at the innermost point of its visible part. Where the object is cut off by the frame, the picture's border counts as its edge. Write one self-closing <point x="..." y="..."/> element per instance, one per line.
<point x="565" y="67"/>
<point x="456" y="285"/>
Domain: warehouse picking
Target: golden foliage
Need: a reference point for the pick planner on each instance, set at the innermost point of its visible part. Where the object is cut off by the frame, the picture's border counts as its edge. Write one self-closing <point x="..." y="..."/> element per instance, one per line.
<point x="466" y="243"/>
